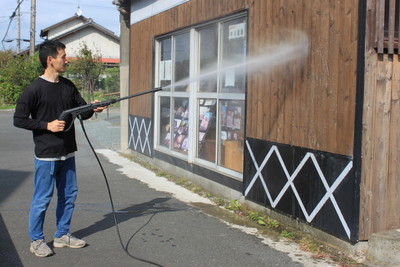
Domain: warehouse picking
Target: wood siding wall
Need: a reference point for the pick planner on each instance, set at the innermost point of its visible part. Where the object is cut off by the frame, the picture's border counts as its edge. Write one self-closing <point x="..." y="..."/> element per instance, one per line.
<point x="310" y="107"/>
<point x="380" y="187"/>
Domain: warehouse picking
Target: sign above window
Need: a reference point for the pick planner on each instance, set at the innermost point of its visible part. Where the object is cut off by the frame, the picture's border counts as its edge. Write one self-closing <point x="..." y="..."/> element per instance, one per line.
<point x="144" y="9"/>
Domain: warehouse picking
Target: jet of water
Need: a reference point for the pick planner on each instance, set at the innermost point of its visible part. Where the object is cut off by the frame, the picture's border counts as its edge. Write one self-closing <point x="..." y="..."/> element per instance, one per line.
<point x="297" y="47"/>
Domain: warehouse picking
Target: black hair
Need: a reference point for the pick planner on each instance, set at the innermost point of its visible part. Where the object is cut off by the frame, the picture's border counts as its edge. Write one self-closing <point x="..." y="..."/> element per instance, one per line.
<point x="49" y="48"/>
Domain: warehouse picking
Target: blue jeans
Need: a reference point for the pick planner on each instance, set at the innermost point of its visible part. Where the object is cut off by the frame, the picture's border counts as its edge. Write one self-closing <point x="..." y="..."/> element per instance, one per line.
<point x="48" y="174"/>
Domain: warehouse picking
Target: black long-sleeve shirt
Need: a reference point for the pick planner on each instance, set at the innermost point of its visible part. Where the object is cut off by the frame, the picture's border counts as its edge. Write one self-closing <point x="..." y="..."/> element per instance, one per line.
<point x="42" y="102"/>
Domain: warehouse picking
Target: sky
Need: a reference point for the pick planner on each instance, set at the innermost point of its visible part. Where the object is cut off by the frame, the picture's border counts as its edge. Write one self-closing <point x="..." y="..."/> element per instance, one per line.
<point x="50" y="12"/>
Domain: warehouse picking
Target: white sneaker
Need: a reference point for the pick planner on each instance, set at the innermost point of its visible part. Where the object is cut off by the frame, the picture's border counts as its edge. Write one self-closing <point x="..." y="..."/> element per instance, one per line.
<point x="68" y="240"/>
<point x="40" y="248"/>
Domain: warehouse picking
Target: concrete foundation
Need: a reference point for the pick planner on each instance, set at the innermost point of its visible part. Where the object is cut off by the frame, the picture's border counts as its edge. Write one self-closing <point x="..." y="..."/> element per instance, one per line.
<point x="384" y="249"/>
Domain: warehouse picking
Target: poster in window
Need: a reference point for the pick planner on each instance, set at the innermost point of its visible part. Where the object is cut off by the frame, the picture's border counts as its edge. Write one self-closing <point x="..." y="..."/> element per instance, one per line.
<point x="177" y="123"/>
<point x="237" y="118"/>
<point x="185" y="114"/>
<point x="201" y="136"/>
<point x="203" y="111"/>
<point x="209" y="102"/>
<point x="185" y="144"/>
<point x="236" y="123"/>
<point x="229" y="118"/>
<point x="230" y="78"/>
<point x="178" y="141"/>
<point x="167" y="139"/>
<point x="224" y="135"/>
<point x="179" y="112"/>
<point x="205" y="121"/>
<point x="223" y="115"/>
<point x="183" y="127"/>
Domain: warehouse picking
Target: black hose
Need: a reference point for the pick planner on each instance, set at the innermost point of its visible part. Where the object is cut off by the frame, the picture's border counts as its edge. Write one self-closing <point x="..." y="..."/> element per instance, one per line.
<point x="125" y="248"/>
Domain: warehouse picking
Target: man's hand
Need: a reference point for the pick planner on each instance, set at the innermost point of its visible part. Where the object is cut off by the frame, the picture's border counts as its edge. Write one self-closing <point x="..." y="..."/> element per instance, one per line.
<point x="99" y="109"/>
<point x="56" y="126"/>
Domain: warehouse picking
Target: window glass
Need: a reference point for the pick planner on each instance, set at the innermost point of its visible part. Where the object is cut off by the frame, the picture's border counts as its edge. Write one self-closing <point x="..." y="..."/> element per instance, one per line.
<point x="165" y="122"/>
<point x="181" y="125"/>
<point x="208" y="58"/>
<point x="165" y="70"/>
<point x="231" y="134"/>
<point x="182" y="56"/>
<point x="207" y="129"/>
<point x="233" y="78"/>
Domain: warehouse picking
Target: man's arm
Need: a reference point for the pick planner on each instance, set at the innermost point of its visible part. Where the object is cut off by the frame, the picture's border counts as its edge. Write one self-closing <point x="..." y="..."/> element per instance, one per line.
<point x="22" y="120"/>
<point x="22" y="115"/>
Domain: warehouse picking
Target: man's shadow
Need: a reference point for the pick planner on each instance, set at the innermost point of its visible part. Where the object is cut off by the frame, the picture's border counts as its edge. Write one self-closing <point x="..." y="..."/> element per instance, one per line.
<point x="144" y="209"/>
<point x="112" y="219"/>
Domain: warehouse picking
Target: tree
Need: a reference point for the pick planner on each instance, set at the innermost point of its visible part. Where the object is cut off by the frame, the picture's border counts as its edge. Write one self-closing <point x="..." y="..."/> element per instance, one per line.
<point x="16" y="73"/>
<point x="86" y="70"/>
<point x="5" y="57"/>
<point x="110" y="82"/>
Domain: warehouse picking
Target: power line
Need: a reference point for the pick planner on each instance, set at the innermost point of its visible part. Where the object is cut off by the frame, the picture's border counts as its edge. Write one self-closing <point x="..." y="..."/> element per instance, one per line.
<point x="9" y="23"/>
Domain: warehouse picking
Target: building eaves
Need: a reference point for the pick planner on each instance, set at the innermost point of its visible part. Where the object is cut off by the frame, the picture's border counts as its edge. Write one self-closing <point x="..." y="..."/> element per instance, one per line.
<point x="90" y="23"/>
<point x="44" y="32"/>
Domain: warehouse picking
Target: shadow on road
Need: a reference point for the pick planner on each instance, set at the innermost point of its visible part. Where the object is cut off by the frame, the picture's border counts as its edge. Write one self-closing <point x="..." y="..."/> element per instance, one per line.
<point x="138" y="210"/>
<point x="150" y="208"/>
<point x="9" y="182"/>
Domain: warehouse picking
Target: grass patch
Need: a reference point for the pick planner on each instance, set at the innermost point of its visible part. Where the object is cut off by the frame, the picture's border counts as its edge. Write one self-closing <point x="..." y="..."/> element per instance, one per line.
<point x="234" y="205"/>
<point x="288" y="235"/>
<point x="4" y="107"/>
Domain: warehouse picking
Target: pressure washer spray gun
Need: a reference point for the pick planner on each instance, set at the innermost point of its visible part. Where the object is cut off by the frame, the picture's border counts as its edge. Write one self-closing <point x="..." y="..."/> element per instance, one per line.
<point x="69" y="115"/>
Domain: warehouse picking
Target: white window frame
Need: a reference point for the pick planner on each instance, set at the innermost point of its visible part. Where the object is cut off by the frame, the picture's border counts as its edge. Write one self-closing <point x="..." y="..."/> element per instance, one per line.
<point x="193" y="95"/>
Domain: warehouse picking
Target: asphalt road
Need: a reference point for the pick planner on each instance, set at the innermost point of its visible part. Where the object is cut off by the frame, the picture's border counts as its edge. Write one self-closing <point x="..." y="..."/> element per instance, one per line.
<point x="156" y="228"/>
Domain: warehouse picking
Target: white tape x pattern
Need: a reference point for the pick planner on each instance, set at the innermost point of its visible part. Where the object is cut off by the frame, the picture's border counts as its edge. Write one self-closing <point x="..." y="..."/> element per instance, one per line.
<point x="135" y="141"/>
<point x="290" y="179"/>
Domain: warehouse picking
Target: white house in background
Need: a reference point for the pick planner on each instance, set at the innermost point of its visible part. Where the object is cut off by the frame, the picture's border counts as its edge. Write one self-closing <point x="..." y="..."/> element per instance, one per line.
<point x="76" y="30"/>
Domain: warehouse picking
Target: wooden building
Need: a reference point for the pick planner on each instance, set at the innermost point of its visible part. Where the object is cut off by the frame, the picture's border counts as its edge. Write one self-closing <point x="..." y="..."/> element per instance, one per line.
<point x="294" y="104"/>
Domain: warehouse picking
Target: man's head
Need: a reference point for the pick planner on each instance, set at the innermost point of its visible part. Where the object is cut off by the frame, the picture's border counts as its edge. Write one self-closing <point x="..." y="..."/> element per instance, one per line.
<point x="52" y="55"/>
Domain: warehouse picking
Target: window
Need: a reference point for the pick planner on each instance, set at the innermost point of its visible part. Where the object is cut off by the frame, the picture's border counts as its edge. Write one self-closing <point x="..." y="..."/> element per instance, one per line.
<point x="200" y="113"/>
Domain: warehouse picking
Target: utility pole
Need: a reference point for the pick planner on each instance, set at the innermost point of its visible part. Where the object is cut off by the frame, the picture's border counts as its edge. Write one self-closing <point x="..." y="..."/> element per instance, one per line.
<point x="33" y="27"/>
<point x="18" y="27"/>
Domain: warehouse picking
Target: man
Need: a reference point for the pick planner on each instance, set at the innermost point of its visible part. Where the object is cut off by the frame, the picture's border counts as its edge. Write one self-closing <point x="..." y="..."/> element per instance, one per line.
<point x="37" y="110"/>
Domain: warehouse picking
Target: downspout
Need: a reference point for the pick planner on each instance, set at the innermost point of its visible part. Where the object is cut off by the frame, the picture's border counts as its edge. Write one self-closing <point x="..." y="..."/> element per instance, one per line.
<point x="358" y="129"/>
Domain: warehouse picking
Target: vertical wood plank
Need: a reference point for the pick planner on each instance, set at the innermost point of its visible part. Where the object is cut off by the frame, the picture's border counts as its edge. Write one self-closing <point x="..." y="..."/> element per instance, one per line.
<point x="259" y="22"/>
<point x="335" y="23"/>
<point x="368" y="167"/>
<point x="392" y="10"/>
<point x="381" y="131"/>
<point x="371" y="40"/>
<point x="393" y="186"/>
<point x="380" y="18"/>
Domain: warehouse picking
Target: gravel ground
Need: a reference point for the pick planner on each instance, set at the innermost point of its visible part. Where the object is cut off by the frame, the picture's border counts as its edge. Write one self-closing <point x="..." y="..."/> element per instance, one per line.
<point x="103" y="129"/>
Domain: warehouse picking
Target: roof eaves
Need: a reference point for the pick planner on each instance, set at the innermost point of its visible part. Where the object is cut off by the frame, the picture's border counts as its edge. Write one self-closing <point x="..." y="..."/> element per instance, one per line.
<point x="45" y="31"/>
<point x="81" y="27"/>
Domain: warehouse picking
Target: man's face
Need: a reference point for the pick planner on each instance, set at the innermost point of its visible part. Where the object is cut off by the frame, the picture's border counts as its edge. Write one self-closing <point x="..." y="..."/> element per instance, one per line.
<point x="59" y="63"/>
